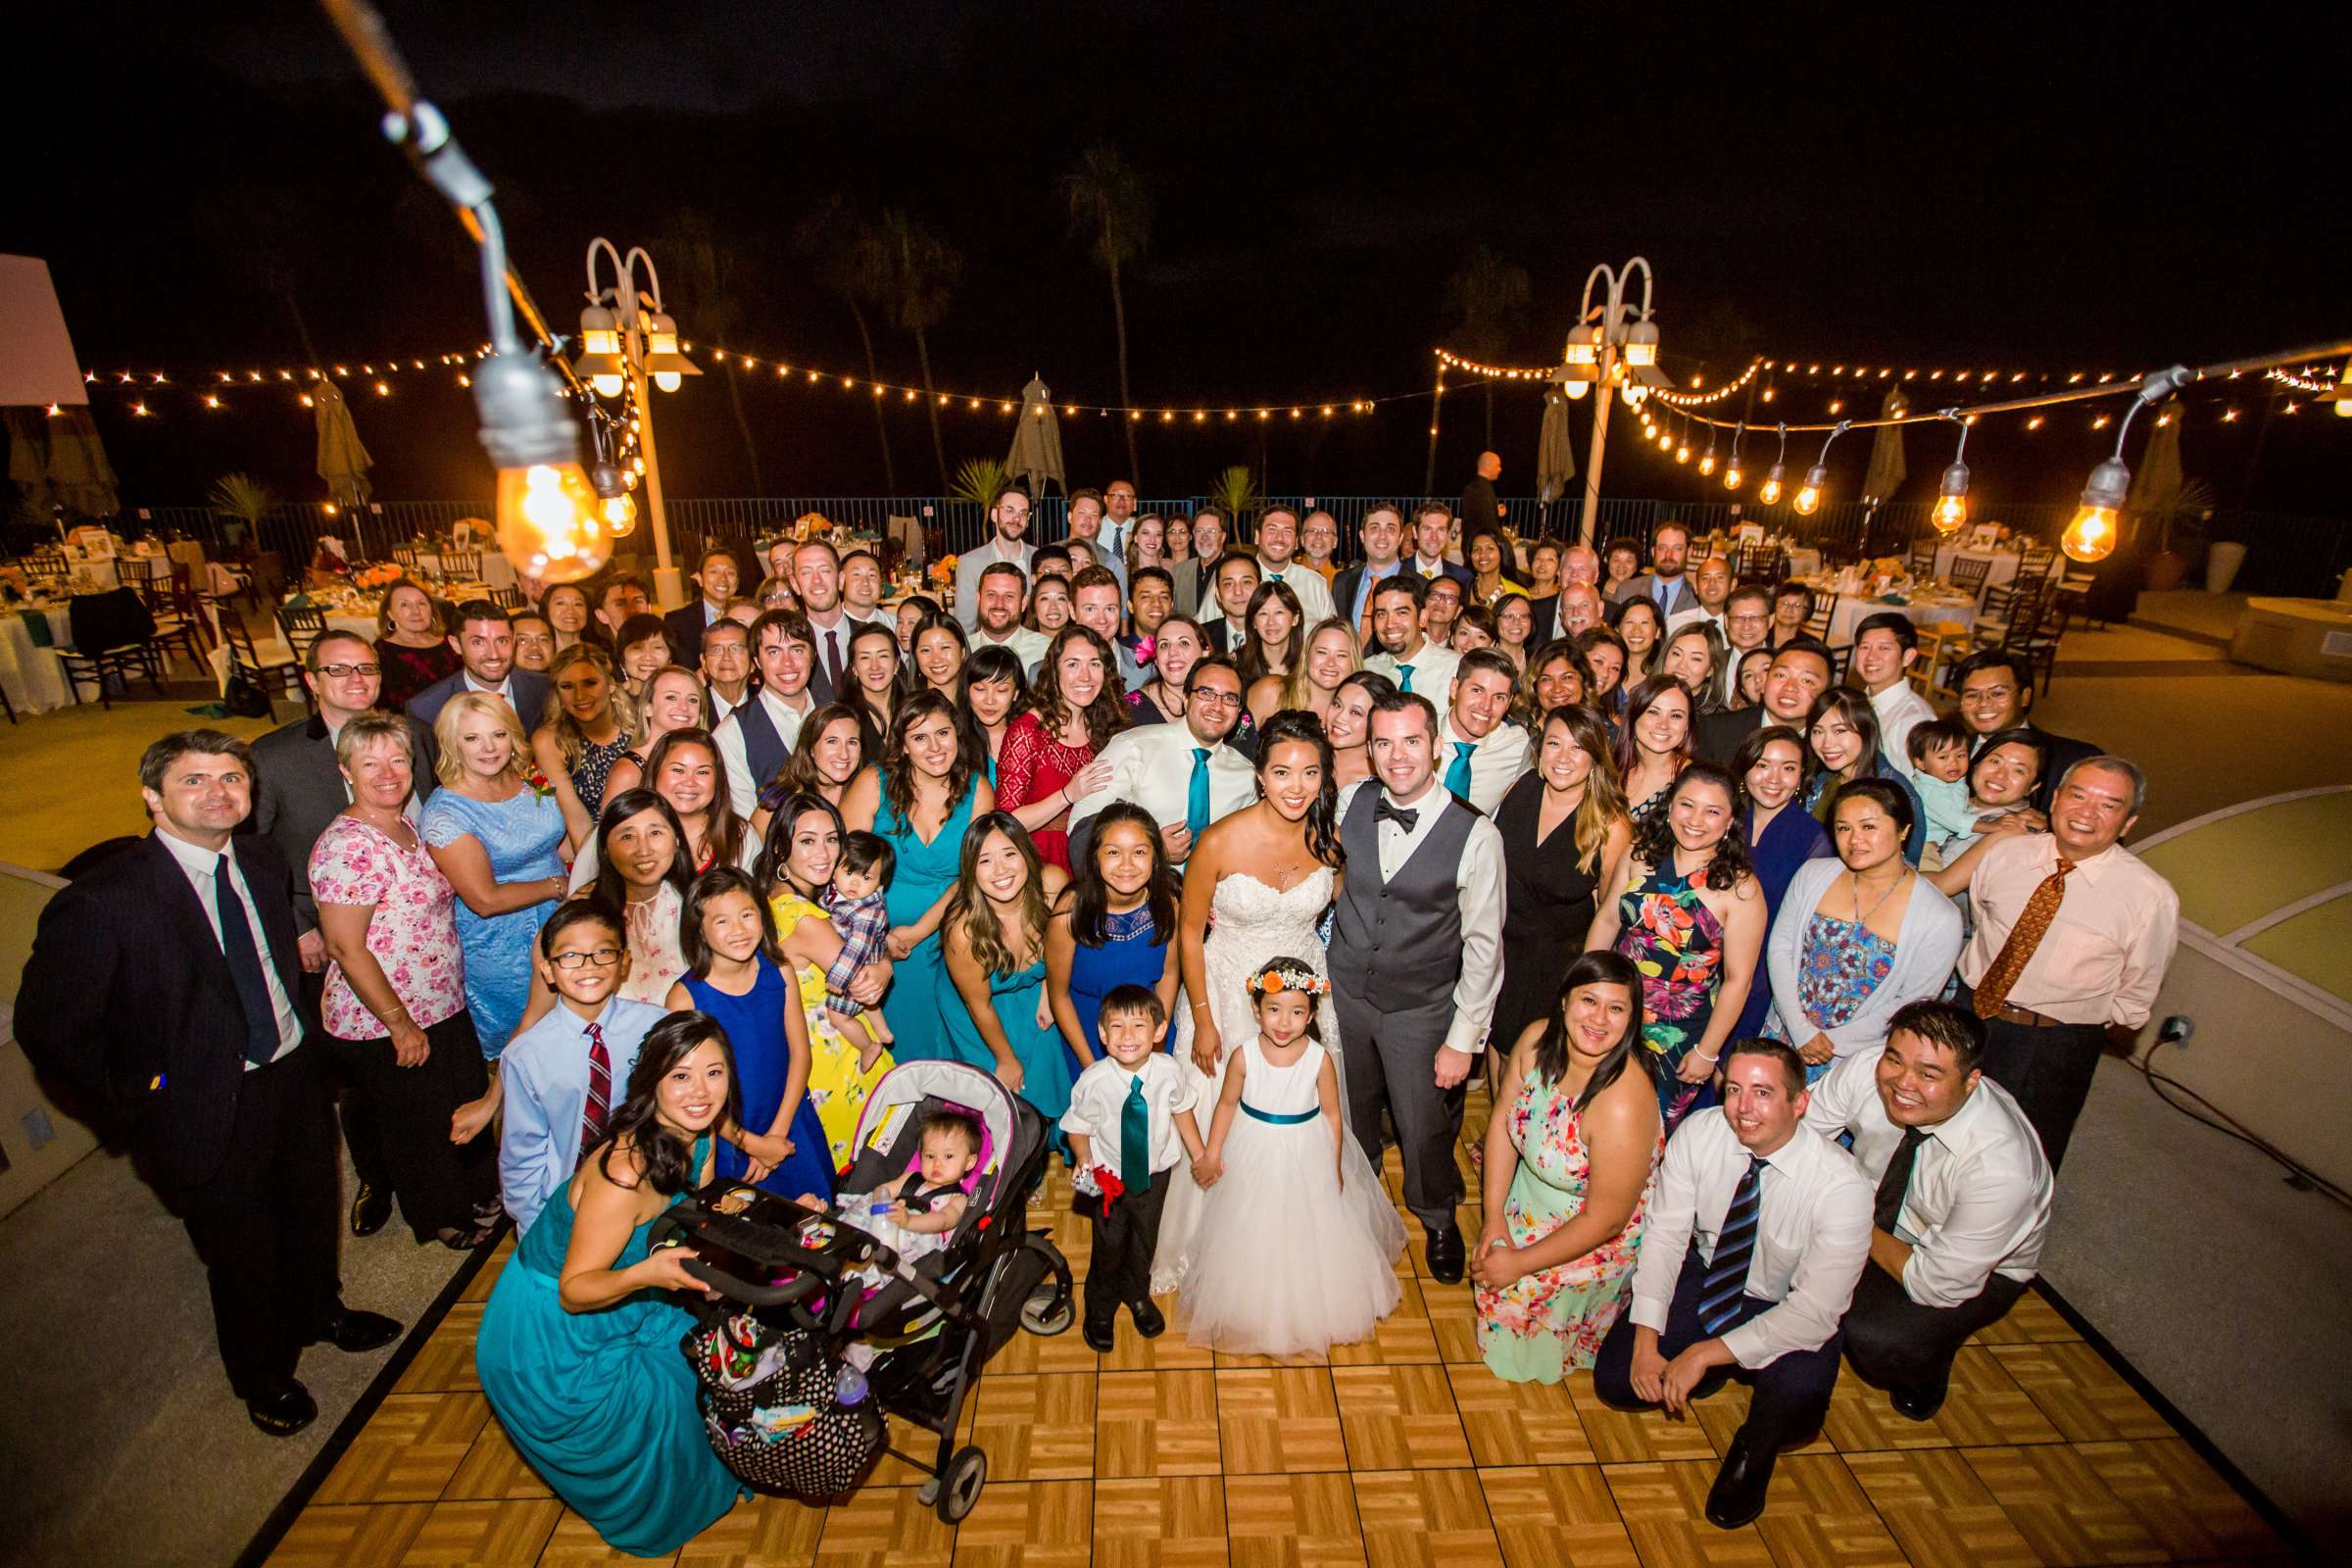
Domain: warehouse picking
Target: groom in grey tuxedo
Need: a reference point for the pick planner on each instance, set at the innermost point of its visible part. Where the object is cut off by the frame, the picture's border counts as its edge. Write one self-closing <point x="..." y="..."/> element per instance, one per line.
<point x="1416" y="961"/>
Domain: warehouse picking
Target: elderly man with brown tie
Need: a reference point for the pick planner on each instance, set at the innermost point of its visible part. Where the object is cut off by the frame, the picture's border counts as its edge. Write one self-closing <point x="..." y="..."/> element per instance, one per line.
<point x="2074" y="933"/>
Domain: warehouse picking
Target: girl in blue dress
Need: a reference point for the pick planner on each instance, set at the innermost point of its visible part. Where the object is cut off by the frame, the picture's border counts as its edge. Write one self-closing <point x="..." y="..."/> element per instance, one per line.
<point x="729" y="942"/>
<point x="578" y="1347"/>
<point x="1112" y="927"/>
<point x="993" y="994"/>
<point x="922" y="798"/>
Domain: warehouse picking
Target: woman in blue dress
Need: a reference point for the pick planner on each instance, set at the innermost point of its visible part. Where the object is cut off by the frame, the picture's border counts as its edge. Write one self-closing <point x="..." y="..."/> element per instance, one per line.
<point x="1771" y="765"/>
<point x="578" y="1347"/>
<point x="1113" y="927"/>
<point x="500" y="841"/>
<point x="921" y="798"/>
<point x="729" y="942"/>
<point x="994" y="936"/>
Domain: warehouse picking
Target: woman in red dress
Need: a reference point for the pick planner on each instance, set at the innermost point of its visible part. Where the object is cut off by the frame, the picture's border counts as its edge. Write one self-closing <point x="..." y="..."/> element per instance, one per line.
<point x="1051" y="755"/>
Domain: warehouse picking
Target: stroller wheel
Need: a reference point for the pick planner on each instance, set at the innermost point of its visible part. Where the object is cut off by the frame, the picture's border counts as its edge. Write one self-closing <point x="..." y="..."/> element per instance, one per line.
<point x="1048" y="1312"/>
<point x="960" y="1483"/>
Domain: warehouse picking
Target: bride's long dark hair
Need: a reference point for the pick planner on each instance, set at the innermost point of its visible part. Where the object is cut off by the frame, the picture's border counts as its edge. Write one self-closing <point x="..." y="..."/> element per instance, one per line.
<point x="1322" y="821"/>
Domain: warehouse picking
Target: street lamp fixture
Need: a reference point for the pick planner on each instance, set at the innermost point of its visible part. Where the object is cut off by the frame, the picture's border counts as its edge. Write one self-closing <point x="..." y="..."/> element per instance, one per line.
<point x="1613" y="346"/>
<point x="641" y="354"/>
<point x="600" y="364"/>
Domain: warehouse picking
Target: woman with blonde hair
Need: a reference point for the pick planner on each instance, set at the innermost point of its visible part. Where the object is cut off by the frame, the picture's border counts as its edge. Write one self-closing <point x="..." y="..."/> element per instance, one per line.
<point x="673" y="701"/>
<point x="590" y="722"/>
<point x="499" y="842"/>
<point x="1332" y="654"/>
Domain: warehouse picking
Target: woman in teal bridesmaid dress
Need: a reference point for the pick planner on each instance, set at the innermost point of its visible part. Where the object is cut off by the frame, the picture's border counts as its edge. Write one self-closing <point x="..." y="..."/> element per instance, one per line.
<point x="578" y="1347"/>
<point x="994" y="991"/>
<point x="921" y="799"/>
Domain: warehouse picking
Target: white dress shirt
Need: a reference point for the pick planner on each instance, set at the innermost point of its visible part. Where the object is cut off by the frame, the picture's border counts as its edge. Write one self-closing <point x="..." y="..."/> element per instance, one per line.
<point x="1495" y="762"/>
<point x="1812" y="1236"/>
<point x="720" y="708"/>
<point x="1979" y="1203"/>
<point x="972" y="563"/>
<point x="1433" y="672"/>
<point x="1694" y="613"/>
<point x="2104" y="955"/>
<point x="1151" y="765"/>
<point x="201" y="866"/>
<point x="1314" y="594"/>
<point x="1900" y="709"/>
<point x="742" y="788"/>
<point x="1098" y="1102"/>
<point x="1478" y="884"/>
<point x="1029" y="646"/>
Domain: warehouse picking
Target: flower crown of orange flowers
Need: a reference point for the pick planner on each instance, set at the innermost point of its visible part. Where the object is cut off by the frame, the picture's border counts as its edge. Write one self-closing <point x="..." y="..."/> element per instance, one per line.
<point x="1279" y="977"/>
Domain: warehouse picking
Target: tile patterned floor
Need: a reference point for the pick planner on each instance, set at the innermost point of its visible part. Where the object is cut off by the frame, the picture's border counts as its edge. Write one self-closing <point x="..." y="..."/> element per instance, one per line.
<point x="1404" y="1450"/>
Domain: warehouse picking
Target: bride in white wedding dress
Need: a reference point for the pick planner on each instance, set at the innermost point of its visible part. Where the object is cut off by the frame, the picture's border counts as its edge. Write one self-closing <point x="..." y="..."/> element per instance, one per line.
<point x="1258" y="887"/>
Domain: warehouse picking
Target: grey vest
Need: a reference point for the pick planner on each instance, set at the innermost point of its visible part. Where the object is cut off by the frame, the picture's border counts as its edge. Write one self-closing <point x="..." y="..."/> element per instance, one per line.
<point x="1406" y="932"/>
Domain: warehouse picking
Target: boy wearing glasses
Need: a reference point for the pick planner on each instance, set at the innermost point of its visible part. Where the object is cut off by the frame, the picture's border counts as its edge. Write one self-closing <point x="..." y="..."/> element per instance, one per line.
<point x="565" y="1074"/>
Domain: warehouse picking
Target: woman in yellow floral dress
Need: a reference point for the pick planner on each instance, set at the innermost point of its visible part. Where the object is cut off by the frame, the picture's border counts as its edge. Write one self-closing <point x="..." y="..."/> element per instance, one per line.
<point x="1574" y="1139"/>
<point x="804" y="844"/>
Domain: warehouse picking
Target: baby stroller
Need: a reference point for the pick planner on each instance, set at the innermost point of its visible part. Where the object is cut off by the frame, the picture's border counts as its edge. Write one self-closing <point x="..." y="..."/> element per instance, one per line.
<point x="801" y="1362"/>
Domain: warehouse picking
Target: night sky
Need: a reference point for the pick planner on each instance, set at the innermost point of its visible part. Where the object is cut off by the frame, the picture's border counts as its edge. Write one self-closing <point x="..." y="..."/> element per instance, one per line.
<point x="2036" y="187"/>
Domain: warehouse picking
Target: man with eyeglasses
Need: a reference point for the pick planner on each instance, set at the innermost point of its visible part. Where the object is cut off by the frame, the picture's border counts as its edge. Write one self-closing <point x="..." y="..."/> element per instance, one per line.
<point x="1184" y="774"/>
<point x="1008" y="527"/>
<point x="567" y="1074"/>
<point x="1746" y="623"/>
<point x="1118" y="519"/>
<point x="298" y="790"/>
<point x="727" y="666"/>
<point x="1997" y="693"/>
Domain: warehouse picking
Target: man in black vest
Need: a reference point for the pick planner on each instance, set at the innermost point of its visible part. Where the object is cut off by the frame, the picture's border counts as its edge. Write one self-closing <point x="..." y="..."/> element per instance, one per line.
<point x="164" y="987"/>
<point x="1415" y="961"/>
<point x="755" y="739"/>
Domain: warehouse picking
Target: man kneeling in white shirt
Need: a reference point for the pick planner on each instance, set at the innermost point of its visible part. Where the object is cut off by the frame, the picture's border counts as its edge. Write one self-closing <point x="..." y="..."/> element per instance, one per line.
<point x="1963" y="1198"/>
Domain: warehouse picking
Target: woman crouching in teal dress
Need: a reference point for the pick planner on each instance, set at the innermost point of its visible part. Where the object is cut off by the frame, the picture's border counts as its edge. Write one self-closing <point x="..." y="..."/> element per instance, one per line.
<point x="578" y="1347"/>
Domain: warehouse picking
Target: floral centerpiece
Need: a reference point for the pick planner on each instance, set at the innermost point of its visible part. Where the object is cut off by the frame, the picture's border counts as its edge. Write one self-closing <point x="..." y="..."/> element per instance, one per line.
<point x="382" y="575"/>
<point x="943" y="570"/>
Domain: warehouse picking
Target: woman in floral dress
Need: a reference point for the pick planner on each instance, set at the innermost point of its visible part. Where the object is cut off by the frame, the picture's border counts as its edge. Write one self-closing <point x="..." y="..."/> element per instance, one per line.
<point x="1569" y="1156"/>
<point x="1685" y="909"/>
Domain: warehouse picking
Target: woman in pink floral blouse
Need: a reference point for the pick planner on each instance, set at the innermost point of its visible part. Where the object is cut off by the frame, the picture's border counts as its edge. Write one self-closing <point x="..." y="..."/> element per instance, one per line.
<point x="396" y="990"/>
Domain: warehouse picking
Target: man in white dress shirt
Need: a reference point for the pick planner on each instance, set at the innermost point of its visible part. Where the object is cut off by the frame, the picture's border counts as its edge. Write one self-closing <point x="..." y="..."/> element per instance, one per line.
<point x="1003" y="594"/>
<point x="1963" y="1198"/>
<point x="1746" y="624"/>
<point x="1009" y="522"/>
<point x="1118" y="518"/>
<point x="1086" y="527"/>
<point x="756" y="739"/>
<point x="1277" y="562"/>
<point x="726" y="665"/>
<point x="1480" y="754"/>
<point x="862" y="589"/>
<point x="1416" y="665"/>
<point x="1758" y="1229"/>
<point x="1885" y="646"/>
<point x="1415" y="961"/>
<point x="1184" y="774"/>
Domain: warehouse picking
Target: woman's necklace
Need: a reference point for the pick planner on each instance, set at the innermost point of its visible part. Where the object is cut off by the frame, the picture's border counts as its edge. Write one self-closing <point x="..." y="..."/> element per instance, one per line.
<point x="1862" y="915"/>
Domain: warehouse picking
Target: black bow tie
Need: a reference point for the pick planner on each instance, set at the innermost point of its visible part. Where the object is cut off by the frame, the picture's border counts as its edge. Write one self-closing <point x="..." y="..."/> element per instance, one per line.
<point x="1405" y="818"/>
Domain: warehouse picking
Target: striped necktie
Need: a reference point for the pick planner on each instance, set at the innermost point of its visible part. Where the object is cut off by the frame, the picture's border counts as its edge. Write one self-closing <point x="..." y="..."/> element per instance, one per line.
<point x="600" y="1089"/>
<point x="1726" y="1280"/>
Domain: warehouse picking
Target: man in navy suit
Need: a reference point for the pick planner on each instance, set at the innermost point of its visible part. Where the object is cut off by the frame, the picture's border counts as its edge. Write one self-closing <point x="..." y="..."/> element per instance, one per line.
<point x="485" y="642"/>
<point x="1433" y="529"/>
<point x="165" y="988"/>
<point x="716" y="578"/>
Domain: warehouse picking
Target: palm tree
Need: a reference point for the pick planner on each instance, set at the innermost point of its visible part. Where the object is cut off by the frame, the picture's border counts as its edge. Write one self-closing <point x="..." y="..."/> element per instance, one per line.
<point x="924" y="270"/>
<point x="1487" y="294"/>
<point x="1110" y="209"/>
<point x="853" y="262"/>
<point x="710" y="270"/>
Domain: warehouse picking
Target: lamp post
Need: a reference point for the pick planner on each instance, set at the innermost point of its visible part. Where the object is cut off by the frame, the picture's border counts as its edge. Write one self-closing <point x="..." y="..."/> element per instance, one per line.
<point x="1607" y="350"/>
<point x="626" y="340"/>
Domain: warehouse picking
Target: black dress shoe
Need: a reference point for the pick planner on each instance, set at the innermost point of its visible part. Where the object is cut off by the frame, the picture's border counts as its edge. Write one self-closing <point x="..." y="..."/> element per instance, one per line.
<point x="1738" y="1496"/>
<point x="284" y="1410"/>
<point x="1920" y="1400"/>
<point x="356" y="1332"/>
<point x="1147" y="1319"/>
<point x="370" y="1210"/>
<point x="1443" y="1251"/>
<point x="1100" y="1337"/>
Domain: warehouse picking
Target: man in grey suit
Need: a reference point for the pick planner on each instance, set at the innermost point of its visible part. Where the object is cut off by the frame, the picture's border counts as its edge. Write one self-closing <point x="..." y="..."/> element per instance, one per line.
<point x="1664" y="583"/>
<point x="1009" y="523"/>
<point x="485" y="642"/>
<point x="298" y="790"/>
<point x="1196" y="594"/>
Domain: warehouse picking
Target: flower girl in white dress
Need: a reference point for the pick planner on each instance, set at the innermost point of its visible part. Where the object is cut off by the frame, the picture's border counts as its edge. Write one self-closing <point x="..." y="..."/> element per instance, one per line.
<point x="1287" y="1259"/>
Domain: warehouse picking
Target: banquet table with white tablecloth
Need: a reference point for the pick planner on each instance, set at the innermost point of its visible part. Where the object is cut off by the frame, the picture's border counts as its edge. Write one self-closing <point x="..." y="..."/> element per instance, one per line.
<point x="30" y="671"/>
<point x="1920" y="604"/>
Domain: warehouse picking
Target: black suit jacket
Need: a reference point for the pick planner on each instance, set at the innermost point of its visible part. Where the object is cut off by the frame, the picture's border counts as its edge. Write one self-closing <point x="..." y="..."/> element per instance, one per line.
<point x="1715" y="737"/>
<point x="127" y="997"/>
<point x="686" y="633"/>
<point x="297" y="790"/>
<point x="531" y="691"/>
<point x="2058" y="754"/>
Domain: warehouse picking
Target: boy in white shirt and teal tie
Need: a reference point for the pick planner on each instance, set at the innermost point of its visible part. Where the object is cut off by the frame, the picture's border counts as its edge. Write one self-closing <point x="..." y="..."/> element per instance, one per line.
<point x="1130" y="1118"/>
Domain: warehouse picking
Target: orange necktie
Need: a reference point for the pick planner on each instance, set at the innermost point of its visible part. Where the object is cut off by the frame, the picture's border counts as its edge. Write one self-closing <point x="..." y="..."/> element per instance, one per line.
<point x="2024" y="937"/>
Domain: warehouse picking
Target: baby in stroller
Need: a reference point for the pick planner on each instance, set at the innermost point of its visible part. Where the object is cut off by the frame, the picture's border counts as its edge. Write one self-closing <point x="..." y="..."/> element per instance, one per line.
<point x="914" y="1214"/>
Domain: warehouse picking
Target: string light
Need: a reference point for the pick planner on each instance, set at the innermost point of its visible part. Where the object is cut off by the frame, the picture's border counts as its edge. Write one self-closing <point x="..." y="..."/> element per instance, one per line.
<point x="1706" y="464"/>
<point x="1770" y="491"/>
<point x="1730" y="469"/>
<point x="1817" y="477"/>
<point x="2091" y="535"/>
<point x="1951" y="492"/>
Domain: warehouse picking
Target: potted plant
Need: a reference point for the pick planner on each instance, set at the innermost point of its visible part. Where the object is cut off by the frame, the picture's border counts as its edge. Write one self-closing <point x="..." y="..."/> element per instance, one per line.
<point x="1235" y="494"/>
<point x="244" y="501"/>
<point x="2184" y="507"/>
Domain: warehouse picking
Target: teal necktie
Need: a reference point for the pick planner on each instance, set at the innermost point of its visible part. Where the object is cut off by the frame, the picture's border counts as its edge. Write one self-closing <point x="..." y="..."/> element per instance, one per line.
<point x="1404" y="677"/>
<point x="1135" y="1138"/>
<point x="1457" y="776"/>
<point x="1196" y="802"/>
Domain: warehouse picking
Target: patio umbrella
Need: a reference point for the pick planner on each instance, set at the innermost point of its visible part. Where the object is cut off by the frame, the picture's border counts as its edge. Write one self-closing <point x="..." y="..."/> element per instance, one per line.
<point x="343" y="462"/>
<point x="2159" y="475"/>
<point x="1036" y="441"/>
<point x="78" y="471"/>
<point x="1555" y="450"/>
<point x="28" y="458"/>
<point x="1887" y="469"/>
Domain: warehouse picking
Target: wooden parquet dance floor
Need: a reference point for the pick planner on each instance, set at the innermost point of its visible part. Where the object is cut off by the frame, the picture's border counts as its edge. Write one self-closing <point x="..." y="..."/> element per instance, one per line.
<point x="1405" y="1451"/>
